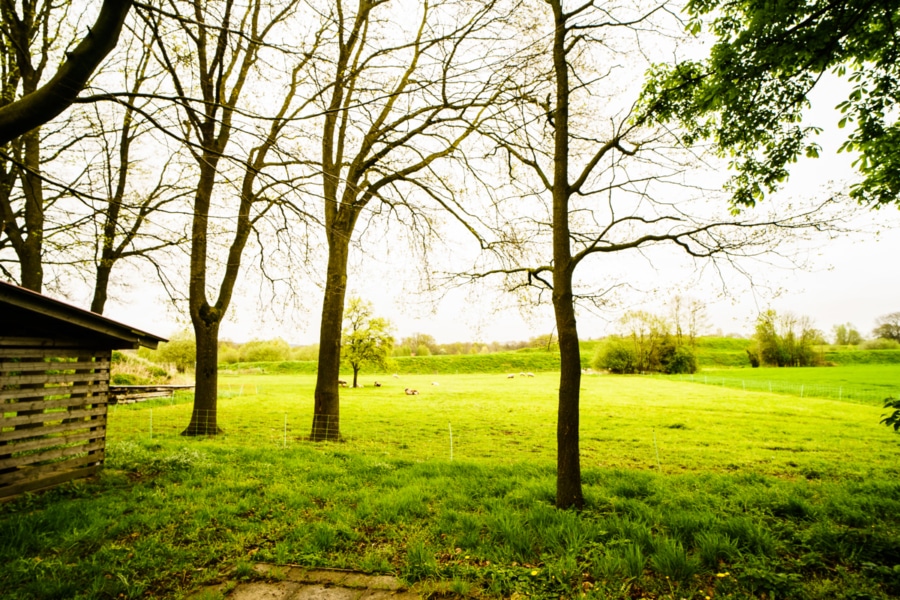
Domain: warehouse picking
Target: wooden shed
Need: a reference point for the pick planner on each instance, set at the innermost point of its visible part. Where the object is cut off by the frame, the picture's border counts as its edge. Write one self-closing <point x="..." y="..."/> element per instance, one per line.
<point x="54" y="388"/>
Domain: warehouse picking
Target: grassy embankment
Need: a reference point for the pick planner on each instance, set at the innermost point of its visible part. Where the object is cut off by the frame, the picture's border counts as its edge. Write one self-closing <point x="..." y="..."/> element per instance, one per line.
<point x="711" y="352"/>
<point x="692" y="492"/>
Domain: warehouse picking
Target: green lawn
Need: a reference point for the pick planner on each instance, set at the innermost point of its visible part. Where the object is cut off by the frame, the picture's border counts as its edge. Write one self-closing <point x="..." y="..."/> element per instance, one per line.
<point x="867" y="383"/>
<point x="693" y="491"/>
<point x="498" y="420"/>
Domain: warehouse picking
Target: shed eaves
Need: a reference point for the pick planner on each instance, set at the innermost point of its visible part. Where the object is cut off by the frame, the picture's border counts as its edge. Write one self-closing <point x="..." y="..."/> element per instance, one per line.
<point x="24" y="313"/>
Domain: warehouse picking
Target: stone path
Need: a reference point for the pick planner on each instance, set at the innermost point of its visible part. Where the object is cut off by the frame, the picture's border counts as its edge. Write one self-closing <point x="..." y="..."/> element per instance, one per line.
<point x="298" y="583"/>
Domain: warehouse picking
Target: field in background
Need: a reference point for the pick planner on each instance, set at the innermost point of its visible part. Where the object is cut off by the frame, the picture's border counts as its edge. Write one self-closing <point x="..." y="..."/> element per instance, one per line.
<point x="711" y="352"/>
<point x="633" y="422"/>
<point x="864" y="383"/>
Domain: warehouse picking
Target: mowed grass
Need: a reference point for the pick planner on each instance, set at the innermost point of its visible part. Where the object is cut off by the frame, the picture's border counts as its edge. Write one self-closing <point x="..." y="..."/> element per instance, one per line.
<point x="692" y="492"/>
<point x="857" y="383"/>
<point x="626" y="422"/>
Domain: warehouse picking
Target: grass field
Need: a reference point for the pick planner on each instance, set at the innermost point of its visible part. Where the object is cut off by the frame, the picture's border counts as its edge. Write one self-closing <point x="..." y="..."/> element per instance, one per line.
<point x="693" y="491"/>
<point x="867" y="383"/>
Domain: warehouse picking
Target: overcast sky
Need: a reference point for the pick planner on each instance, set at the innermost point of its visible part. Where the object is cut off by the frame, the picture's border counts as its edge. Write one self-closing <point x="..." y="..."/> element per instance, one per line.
<point x="849" y="279"/>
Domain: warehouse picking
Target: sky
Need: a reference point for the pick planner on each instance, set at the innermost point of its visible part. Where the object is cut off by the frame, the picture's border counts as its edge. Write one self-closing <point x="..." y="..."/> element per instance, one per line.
<point x="849" y="279"/>
<point x="852" y="278"/>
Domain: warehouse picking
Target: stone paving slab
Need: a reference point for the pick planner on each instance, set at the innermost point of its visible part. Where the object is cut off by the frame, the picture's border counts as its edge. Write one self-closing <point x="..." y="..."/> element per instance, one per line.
<point x="299" y="583"/>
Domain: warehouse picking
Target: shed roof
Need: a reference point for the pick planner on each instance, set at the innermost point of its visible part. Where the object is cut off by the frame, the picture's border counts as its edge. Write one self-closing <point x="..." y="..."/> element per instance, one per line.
<point x="27" y="314"/>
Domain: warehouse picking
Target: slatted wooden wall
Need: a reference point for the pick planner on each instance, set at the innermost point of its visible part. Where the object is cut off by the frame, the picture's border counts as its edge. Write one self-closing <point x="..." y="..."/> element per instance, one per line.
<point x="53" y="403"/>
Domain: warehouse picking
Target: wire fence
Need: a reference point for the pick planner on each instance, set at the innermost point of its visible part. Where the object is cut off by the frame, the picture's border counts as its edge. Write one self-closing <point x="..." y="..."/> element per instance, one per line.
<point x="439" y="437"/>
<point x="861" y="394"/>
<point x="432" y="431"/>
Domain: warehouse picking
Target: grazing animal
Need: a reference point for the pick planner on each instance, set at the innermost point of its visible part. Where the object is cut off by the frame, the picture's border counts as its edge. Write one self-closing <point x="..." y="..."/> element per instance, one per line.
<point x="529" y="374"/>
<point x="435" y="383"/>
<point x="376" y="384"/>
<point x="396" y="376"/>
<point x="510" y="376"/>
<point x="342" y="383"/>
<point x="410" y="392"/>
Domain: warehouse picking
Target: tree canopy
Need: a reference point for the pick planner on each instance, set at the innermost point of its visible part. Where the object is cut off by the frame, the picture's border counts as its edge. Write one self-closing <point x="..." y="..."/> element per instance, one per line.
<point x="888" y="326"/>
<point x="750" y="94"/>
<point x="366" y="338"/>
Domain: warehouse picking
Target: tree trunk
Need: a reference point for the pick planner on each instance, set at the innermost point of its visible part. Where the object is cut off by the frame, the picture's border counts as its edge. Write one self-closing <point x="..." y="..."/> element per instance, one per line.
<point x="568" y="460"/>
<point x="31" y="254"/>
<point x="104" y="269"/>
<point x="355" y="376"/>
<point x="568" y="457"/>
<point x="206" y="390"/>
<point x="326" y="414"/>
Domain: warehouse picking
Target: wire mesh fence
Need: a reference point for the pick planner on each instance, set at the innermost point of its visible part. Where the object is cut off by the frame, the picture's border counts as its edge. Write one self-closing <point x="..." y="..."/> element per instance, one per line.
<point x="874" y="394"/>
<point x="439" y="435"/>
<point x="445" y="426"/>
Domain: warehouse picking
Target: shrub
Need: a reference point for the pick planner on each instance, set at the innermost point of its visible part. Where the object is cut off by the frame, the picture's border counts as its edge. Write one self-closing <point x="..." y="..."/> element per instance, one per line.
<point x="265" y="351"/>
<point x="180" y="351"/>
<point x="310" y="352"/>
<point x="616" y="356"/>
<point x="680" y="360"/>
<point x="229" y="354"/>
<point x="880" y="344"/>
<point x="129" y="368"/>
<point x="753" y="355"/>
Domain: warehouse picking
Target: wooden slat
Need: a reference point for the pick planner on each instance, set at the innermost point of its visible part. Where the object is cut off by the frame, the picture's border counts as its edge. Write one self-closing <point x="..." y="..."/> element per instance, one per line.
<point x="51" y="404"/>
<point x="71" y="441"/>
<point x="162" y="386"/>
<point x="50" y="441"/>
<point x="10" y="492"/>
<point x="31" y="473"/>
<point x="52" y="391"/>
<point x="19" y="434"/>
<point x="23" y="367"/>
<point x="64" y="378"/>
<point x="48" y="352"/>
<point x="159" y="394"/>
<point x="54" y="416"/>
<point x="51" y="454"/>
<point x="28" y="342"/>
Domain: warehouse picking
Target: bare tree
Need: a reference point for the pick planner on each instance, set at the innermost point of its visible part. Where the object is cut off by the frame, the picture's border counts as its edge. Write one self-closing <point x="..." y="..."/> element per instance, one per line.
<point x="29" y="43"/>
<point x="399" y="96"/>
<point x="28" y="40"/>
<point x="213" y="51"/>
<point x="134" y="180"/>
<point x="30" y="20"/>
<point x="599" y="179"/>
